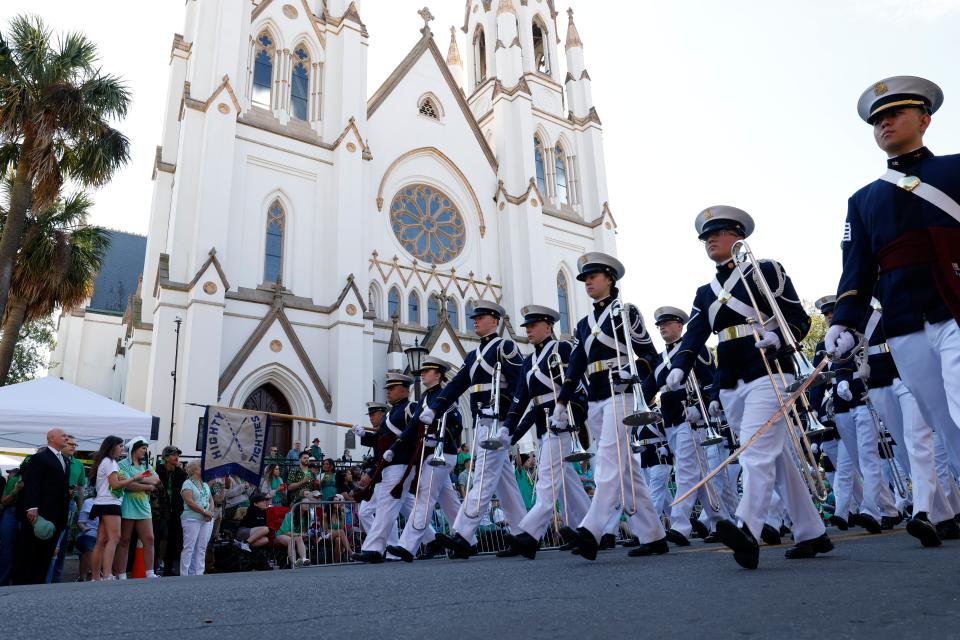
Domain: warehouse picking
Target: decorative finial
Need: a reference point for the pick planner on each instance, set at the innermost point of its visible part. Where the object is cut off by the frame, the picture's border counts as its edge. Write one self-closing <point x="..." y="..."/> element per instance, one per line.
<point x="573" y="37"/>
<point x="427" y="17"/>
<point x="453" y="53"/>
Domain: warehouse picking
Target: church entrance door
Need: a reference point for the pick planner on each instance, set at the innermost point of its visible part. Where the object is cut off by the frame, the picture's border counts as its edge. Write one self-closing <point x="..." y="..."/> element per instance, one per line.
<point x="268" y="398"/>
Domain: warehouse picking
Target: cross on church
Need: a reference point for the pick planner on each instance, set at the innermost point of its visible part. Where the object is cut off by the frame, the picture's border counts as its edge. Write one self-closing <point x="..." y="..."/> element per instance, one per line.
<point x="426" y="15"/>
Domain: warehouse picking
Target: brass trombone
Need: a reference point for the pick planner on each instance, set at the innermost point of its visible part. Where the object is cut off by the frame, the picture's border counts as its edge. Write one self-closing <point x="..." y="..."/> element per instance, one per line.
<point x="577" y="452"/>
<point x="433" y="463"/>
<point x="695" y="395"/>
<point x="471" y="477"/>
<point x="492" y="441"/>
<point x="806" y="462"/>
<point x="555" y="359"/>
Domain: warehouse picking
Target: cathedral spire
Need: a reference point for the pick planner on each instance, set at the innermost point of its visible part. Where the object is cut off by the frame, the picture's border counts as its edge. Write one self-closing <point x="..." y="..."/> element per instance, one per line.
<point x="453" y="53"/>
<point x="506" y="6"/>
<point x="573" y="37"/>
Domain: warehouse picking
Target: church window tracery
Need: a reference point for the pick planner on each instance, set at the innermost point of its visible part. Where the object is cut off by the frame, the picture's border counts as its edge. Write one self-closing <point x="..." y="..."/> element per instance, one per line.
<point x="540" y="165"/>
<point x="429" y="109"/>
<point x="263" y="56"/>
<point x="453" y="312"/>
<point x="273" y="251"/>
<point x="300" y="84"/>
<point x="427" y="224"/>
<point x="563" y="303"/>
<point x="433" y="310"/>
<point x="413" y="308"/>
<point x="561" y="176"/>
<point x="479" y="56"/>
<point x="393" y="303"/>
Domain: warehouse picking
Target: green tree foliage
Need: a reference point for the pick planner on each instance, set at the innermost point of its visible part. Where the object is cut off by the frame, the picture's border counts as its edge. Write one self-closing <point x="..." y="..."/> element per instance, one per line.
<point x="34" y="345"/>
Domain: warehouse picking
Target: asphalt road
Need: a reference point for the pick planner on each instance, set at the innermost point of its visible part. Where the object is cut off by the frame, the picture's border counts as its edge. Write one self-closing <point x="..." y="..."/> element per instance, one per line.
<point x="883" y="586"/>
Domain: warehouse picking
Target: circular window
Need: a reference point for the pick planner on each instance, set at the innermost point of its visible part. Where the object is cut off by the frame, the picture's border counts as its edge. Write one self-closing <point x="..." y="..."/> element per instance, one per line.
<point x="427" y="223"/>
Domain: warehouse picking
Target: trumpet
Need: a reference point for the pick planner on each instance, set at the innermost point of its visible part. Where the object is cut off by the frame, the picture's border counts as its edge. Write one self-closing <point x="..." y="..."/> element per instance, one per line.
<point x="806" y="461"/>
<point x="433" y="463"/>
<point x="577" y="452"/>
<point x="492" y="442"/>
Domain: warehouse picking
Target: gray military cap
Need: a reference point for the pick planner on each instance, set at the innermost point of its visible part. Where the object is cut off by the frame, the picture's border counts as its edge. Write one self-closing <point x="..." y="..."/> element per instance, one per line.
<point x="377" y="407"/>
<point x="488" y="308"/>
<point x="899" y="91"/>
<point x="723" y="217"/>
<point x="395" y="378"/>
<point x="826" y="304"/>
<point x="666" y="314"/>
<point x="432" y="362"/>
<point x="533" y="313"/>
<point x="596" y="262"/>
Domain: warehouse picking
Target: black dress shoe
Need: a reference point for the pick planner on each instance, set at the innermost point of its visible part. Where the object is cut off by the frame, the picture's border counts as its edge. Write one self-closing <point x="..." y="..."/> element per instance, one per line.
<point x="923" y="530"/>
<point x="607" y="541"/>
<point x="809" y="548"/>
<point x="769" y="535"/>
<point x="839" y="523"/>
<point x="523" y="544"/>
<point x="370" y="557"/>
<point x="700" y="530"/>
<point x="587" y="545"/>
<point x="509" y="552"/>
<point x="948" y="530"/>
<point x="632" y="542"/>
<point x="889" y="522"/>
<point x="713" y="538"/>
<point x="746" y="549"/>
<point x="400" y="552"/>
<point x="869" y="523"/>
<point x="785" y="531"/>
<point x="432" y="550"/>
<point x="567" y="546"/>
<point x="459" y="545"/>
<point x="570" y="537"/>
<point x="655" y="548"/>
<point x="677" y="538"/>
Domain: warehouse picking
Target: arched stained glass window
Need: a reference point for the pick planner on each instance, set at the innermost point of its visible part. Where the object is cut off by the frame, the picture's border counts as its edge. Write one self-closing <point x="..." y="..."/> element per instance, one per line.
<point x="433" y="310"/>
<point x="563" y="304"/>
<point x="373" y="300"/>
<point x="263" y="70"/>
<point x="393" y="303"/>
<point x="453" y="313"/>
<point x="413" y="308"/>
<point x="561" y="174"/>
<point x="538" y="161"/>
<point x="273" y="252"/>
<point x="479" y="56"/>
<point x="427" y="224"/>
<point x="300" y="84"/>
<point x="469" y="309"/>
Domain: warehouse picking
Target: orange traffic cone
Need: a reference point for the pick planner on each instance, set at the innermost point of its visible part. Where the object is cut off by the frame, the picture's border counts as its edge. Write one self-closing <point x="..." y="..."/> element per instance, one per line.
<point x="139" y="569"/>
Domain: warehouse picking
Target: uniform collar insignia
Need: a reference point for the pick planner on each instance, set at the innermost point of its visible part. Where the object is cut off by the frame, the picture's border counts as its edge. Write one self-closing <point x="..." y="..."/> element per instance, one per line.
<point x="907" y="160"/>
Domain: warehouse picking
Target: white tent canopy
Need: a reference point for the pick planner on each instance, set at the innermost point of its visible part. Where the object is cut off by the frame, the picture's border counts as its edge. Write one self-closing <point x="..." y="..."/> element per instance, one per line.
<point x="29" y="409"/>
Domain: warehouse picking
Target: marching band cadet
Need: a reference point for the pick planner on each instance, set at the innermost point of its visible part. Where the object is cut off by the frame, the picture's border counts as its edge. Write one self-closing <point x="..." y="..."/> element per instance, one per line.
<point x="746" y="391"/>
<point x="657" y="462"/>
<point x="902" y="243"/>
<point x="601" y="345"/>
<point x="376" y="412"/>
<point x="433" y="484"/>
<point x="680" y="417"/>
<point x="492" y="469"/>
<point x="393" y="460"/>
<point x="557" y="482"/>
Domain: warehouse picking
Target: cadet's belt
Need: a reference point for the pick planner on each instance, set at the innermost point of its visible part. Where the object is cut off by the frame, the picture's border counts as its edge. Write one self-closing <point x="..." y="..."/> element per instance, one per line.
<point x="647" y="441"/>
<point x="602" y="365"/>
<point x="539" y="401"/>
<point x="740" y="331"/>
<point x="878" y="349"/>
<point x="486" y="386"/>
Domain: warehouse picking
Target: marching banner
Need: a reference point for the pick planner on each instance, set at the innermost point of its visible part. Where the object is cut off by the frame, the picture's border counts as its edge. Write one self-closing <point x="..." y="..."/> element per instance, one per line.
<point x="234" y="443"/>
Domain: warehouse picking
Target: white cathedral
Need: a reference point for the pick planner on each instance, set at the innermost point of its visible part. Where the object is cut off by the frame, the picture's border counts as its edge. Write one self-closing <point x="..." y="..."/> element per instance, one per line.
<point x="302" y="233"/>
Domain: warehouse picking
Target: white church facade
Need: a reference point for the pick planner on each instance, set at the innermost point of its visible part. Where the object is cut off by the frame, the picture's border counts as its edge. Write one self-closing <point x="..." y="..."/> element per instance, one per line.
<point x="302" y="233"/>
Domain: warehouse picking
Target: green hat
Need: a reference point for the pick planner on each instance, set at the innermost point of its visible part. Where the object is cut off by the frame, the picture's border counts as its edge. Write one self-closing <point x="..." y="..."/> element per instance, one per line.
<point x="43" y="529"/>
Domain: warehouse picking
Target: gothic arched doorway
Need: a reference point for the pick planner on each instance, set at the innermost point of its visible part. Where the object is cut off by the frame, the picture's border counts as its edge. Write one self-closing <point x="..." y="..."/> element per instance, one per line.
<point x="268" y="398"/>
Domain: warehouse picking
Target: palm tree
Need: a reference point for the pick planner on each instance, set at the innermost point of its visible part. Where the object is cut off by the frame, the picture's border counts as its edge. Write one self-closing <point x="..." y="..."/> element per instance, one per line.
<point x="60" y="259"/>
<point x="55" y="113"/>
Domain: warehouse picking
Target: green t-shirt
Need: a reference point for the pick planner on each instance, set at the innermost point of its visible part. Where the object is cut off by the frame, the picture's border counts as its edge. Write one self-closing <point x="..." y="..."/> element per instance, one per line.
<point x="136" y="504"/>
<point x="200" y="494"/>
<point x="287" y="525"/>
<point x="11" y="485"/>
<point x="78" y="476"/>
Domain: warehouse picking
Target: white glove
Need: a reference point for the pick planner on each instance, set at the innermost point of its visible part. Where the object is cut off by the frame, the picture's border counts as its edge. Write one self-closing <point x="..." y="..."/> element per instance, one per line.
<point x="487" y="412"/>
<point x="715" y="409"/>
<point x="675" y="379"/>
<point x="843" y="390"/>
<point x="559" y="418"/>
<point x="388" y="455"/>
<point x="815" y="448"/>
<point x="430" y="441"/>
<point x="504" y="435"/>
<point x="768" y="340"/>
<point x="359" y="431"/>
<point x="663" y="452"/>
<point x="839" y="340"/>
<point x="692" y="415"/>
<point x="427" y="416"/>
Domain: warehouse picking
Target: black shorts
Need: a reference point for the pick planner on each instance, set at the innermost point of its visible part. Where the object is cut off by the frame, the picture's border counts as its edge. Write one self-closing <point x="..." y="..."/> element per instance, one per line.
<point x="104" y="510"/>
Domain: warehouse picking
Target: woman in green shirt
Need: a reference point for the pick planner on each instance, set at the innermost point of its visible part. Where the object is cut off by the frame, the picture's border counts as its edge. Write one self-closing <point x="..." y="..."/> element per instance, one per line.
<point x="328" y="479"/>
<point x="286" y="535"/>
<point x="135" y="509"/>
<point x="272" y="485"/>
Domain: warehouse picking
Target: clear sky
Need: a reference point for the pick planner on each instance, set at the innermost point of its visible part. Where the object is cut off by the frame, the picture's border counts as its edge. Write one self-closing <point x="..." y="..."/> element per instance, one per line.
<point x="750" y="103"/>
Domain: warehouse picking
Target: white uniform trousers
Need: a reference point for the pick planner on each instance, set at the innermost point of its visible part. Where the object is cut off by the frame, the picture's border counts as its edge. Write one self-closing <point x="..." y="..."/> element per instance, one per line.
<point x="946" y="475"/>
<point x="687" y="473"/>
<point x="898" y="408"/>
<point x="777" y="515"/>
<point x="829" y="449"/>
<point x="387" y="508"/>
<point x="725" y="481"/>
<point x="616" y="461"/>
<point x="886" y="403"/>
<point x="552" y="474"/>
<point x="929" y="364"/>
<point x="435" y="487"/>
<point x="858" y="434"/>
<point x="493" y="472"/>
<point x="848" y="489"/>
<point x="768" y="462"/>
<point x="657" y="478"/>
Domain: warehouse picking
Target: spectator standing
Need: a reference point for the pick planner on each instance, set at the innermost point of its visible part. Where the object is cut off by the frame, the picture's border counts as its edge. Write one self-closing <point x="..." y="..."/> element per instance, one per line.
<point x="9" y="525"/>
<point x="197" y="521"/>
<point x="76" y="485"/>
<point x="463" y="455"/>
<point x="526" y="473"/>
<point x="315" y="451"/>
<point x="42" y="509"/>
<point x="273" y="486"/>
<point x="106" y="505"/>
<point x="464" y="478"/>
<point x="294" y="454"/>
<point x="167" y="531"/>
<point x="135" y="509"/>
<point x="299" y="478"/>
<point x="328" y="480"/>
<point x="86" y="538"/>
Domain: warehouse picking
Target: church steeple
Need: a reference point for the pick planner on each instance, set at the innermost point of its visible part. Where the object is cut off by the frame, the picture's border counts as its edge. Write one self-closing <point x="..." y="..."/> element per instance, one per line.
<point x="454" y="63"/>
<point x="579" y="93"/>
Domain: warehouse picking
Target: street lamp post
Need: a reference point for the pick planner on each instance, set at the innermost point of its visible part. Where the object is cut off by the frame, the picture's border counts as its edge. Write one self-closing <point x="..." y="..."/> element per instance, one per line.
<point x="173" y="399"/>
<point x="415" y="355"/>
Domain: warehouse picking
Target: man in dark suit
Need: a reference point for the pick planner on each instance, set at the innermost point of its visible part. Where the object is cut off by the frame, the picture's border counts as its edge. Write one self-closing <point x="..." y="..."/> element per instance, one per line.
<point x="45" y="495"/>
